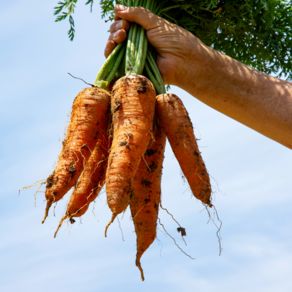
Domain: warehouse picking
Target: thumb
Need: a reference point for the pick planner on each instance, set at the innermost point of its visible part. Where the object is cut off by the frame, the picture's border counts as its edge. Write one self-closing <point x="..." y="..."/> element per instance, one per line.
<point x="140" y="15"/>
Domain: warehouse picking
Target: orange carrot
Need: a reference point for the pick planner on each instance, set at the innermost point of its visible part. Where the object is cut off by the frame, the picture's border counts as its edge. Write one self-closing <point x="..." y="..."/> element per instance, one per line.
<point x="92" y="178"/>
<point x="176" y="124"/>
<point x="91" y="181"/>
<point x="132" y="106"/>
<point x="80" y="140"/>
<point x="146" y="195"/>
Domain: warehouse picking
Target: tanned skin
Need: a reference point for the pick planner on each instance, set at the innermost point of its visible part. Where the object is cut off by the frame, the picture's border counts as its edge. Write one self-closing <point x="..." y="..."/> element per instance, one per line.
<point x="257" y="100"/>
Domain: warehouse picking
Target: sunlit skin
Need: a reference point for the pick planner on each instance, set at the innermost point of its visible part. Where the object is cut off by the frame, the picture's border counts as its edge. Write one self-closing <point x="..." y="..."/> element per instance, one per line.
<point x="257" y="100"/>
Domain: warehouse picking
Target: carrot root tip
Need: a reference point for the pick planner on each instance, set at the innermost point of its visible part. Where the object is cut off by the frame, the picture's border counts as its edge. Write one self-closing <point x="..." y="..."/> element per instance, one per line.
<point x="112" y="220"/>
<point x="49" y="204"/>
<point x="138" y="264"/>
<point x="60" y="224"/>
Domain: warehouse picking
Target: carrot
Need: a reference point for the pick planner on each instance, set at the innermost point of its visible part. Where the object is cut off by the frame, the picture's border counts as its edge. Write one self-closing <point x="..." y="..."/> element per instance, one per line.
<point x="92" y="178"/>
<point x="147" y="194"/>
<point x="176" y="124"/>
<point x="132" y="106"/>
<point x="80" y="140"/>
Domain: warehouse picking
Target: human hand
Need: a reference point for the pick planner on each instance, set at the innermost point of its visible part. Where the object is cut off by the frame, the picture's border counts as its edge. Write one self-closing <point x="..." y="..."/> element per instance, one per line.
<point x="175" y="46"/>
<point x="219" y="81"/>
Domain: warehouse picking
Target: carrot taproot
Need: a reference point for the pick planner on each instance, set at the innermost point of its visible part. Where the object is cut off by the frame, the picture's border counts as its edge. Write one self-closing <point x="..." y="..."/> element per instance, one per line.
<point x="92" y="178"/>
<point x="147" y="194"/>
<point x="132" y="106"/>
<point x="79" y="142"/>
<point x="173" y="117"/>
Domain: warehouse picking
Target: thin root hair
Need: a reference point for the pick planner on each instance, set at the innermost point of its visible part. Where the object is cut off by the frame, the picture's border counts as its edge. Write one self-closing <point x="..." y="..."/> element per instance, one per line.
<point x="217" y="184"/>
<point x="39" y="182"/>
<point x="174" y="241"/>
<point x="121" y="228"/>
<point x="93" y="208"/>
<point x="173" y="220"/>
<point x="139" y="211"/>
<point x="169" y="214"/>
<point x="81" y="79"/>
<point x="218" y="228"/>
<point x="159" y="242"/>
<point x="161" y="231"/>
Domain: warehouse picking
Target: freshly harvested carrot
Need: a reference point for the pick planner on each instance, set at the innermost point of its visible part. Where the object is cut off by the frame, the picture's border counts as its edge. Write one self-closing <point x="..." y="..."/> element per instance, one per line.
<point x="177" y="126"/>
<point x="132" y="106"/>
<point x="80" y="140"/>
<point x="92" y="178"/>
<point x="147" y="194"/>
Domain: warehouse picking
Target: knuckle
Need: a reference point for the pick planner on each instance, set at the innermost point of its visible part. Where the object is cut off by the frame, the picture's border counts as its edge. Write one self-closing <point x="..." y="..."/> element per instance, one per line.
<point x="113" y="27"/>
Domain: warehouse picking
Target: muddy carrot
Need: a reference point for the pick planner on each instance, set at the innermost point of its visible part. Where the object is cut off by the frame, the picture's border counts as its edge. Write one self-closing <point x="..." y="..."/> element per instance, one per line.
<point x="80" y="140"/>
<point x="147" y="194"/>
<point x="132" y="106"/>
<point x="176" y="124"/>
<point x="92" y="178"/>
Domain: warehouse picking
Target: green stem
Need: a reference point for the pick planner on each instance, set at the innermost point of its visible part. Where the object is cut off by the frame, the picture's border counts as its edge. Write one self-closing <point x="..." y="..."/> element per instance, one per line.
<point x="152" y="64"/>
<point x="171" y="18"/>
<point x="133" y="47"/>
<point x="149" y="4"/>
<point x="170" y="7"/>
<point x="159" y="6"/>
<point x="117" y="64"/>
<point x="137" y="45"/>
<point x="135" y="51"/>
<point x="158" y="89"/>
<point x="142" y="53"/>
<point x="103" y="83"/>
<point x="129" y="61"/>
<point x="108" y="64"/>
<point x="137" y="40"/>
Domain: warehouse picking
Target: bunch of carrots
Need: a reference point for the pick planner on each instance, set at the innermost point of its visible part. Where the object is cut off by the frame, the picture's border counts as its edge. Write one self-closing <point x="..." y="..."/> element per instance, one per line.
<point x="117" y="138"/>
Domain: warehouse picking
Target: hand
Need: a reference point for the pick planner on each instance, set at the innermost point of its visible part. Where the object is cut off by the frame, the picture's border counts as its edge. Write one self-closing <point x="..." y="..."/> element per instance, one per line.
<point x="252" y="98"/>
<point x="175" y="46"/>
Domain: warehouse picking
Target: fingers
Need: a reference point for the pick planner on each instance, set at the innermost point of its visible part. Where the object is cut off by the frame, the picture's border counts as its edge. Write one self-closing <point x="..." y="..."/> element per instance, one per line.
<point x="118" y="34"/>
<point x="119" y="24"/>
<point x="123" y="16"/>
<point x="114" y="39"/>
<point x="139" y="15"/>
<point x="117" y="18"/>
<point x="110" y="45"/>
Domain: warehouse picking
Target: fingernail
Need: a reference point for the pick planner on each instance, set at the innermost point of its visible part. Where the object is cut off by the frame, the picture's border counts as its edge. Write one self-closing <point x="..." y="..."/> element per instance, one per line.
<point x="121" y="8"/>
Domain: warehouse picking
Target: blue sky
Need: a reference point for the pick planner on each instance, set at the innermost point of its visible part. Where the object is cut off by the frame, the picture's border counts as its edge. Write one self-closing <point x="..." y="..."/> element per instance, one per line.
<point x="251" y="177"/>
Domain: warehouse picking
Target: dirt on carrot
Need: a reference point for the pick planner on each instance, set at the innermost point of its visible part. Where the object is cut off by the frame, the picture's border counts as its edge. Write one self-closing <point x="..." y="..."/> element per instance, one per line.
<point x="92" y="178"/>
<point x="147" y="194"/>
<point x="176" y="124"/>
<point x="132" y="107"/>
<point x="81" y="137"/>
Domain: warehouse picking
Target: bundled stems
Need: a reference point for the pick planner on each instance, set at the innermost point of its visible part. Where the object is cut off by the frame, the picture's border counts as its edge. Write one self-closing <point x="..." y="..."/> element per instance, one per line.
<point x="136" y="53"/>
<point x="155" y="78"/>
<point x="110" y="67"/>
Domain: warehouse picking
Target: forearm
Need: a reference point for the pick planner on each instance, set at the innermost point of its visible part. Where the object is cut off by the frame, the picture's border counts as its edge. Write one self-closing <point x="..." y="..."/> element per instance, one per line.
<point x="257" y="100"/>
